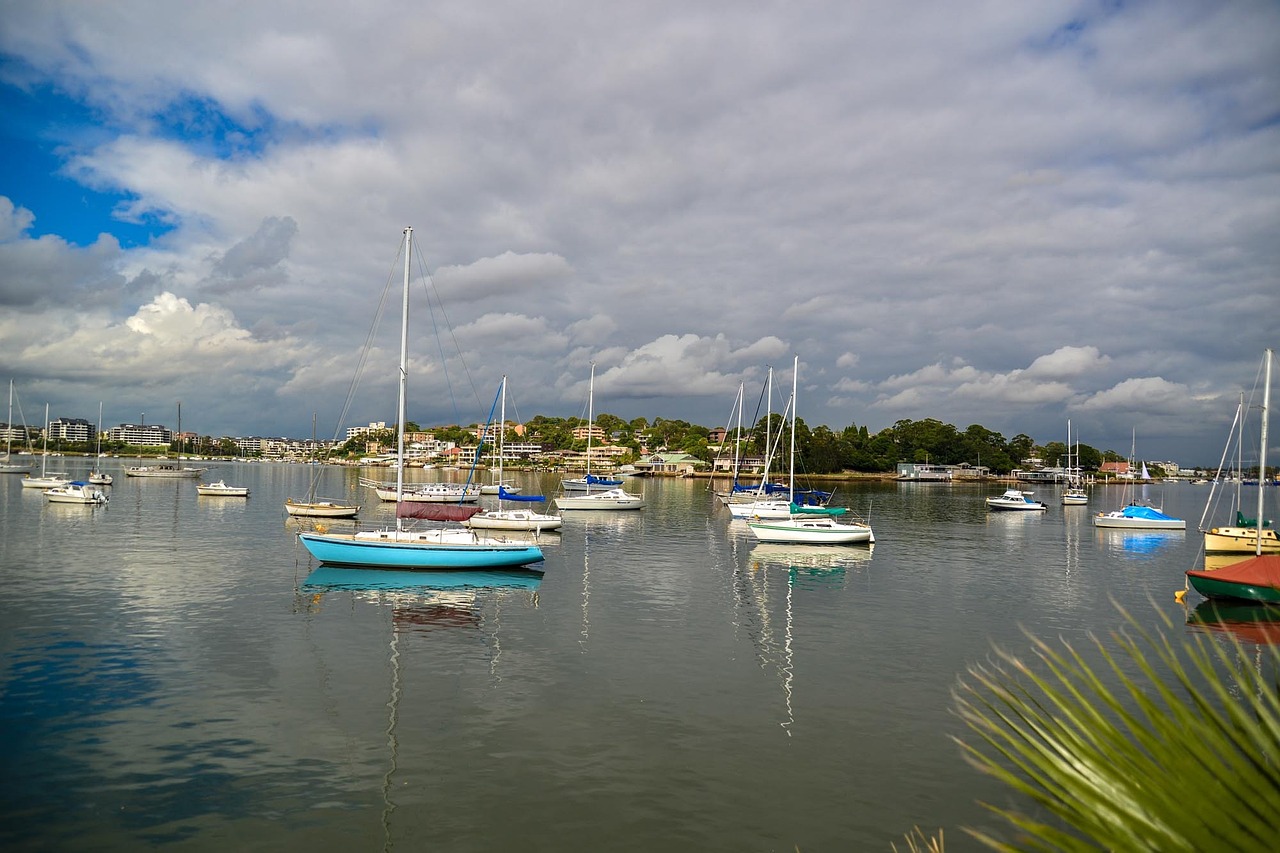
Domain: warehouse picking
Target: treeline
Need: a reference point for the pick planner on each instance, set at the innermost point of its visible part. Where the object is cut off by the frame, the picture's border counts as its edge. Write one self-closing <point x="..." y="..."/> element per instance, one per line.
<point x="820" y="450"/>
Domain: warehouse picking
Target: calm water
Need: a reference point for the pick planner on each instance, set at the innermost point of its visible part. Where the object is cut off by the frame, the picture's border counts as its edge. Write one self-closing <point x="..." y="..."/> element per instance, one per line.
<point x="175" y="675"/>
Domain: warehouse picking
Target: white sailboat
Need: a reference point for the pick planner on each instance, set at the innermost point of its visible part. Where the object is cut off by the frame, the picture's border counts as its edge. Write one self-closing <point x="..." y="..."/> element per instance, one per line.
<point x="97" y="476"/>
<point x="514" y="518"/>
<point x="1138" y="516"/>
<point x="316" y="507"/>
<point x="7" y="464"/>
<point x="443" y="547"/>
<point x="764" y="501"/>
<point x="1243" y="537"/>
<point x="596" y="493"/>
<point x="47" y="479"/>
<point x="1073" y="494"/>
<point x="807" y="525"/>
<point x="167" y="470"/>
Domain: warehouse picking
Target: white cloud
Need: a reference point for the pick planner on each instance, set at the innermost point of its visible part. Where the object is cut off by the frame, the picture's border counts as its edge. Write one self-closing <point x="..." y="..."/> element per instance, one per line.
<point x="979" y="214"/>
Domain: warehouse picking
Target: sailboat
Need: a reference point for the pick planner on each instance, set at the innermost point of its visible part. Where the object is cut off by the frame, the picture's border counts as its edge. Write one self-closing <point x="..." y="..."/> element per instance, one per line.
<point x="765" y="500"/>
<point x="1073" y="494"/>
<point x="807" y="525"/>
<point x="166" y="470"/>
<point x="7" y="465"/>
<point x="514" y="518"/>
<point x="430" y="548"/>
<point x="597" y="493"/>
<point x="1136" y="516"/>
<point x="317" y="507"/>
<point x="98" y="477"/>
<point x="47" y="479"/>
<point x="590" y="481"/>
<point x="1248" y="535"/>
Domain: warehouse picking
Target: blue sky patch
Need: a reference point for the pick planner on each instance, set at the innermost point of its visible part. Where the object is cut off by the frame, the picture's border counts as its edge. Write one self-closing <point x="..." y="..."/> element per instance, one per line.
<point x="40" y="130"/>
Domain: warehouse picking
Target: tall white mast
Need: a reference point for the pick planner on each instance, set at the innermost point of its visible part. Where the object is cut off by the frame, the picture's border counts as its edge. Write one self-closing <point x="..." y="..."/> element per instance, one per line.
<point x="791" y="478"/>
<point x="404" y="375"/>
<point x="1262" y="452"/>
<point x="591" y="419"/>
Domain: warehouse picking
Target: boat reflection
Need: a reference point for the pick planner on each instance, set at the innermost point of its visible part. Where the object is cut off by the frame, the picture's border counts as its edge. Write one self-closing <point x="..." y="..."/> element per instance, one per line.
<point x="804" y="568"/>
<point x="325" y="578"/>
<point x="811" y="556"/>
<point x="1213" y="562"/>
<point x="1138" y="542"/>
<point x="421" y="601"/>
<point x="1258" y="624"/>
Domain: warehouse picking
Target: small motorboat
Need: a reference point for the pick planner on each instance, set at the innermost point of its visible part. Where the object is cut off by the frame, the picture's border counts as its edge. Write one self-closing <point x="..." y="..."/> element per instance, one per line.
<point x="1015" y="500"/>
<point x="76" y="492"/>
<point x="220" y="488"/>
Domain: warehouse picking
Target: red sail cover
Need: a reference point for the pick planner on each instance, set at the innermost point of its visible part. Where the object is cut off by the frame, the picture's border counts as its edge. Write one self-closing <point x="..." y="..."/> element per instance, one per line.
<point x="435" y="511"/>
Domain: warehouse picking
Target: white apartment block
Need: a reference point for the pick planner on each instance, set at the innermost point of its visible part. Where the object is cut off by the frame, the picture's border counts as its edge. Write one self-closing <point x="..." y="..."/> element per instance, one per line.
<point x="71" y="429"/>
<point x="357" y="432"/>
<point x="142" y="435"/>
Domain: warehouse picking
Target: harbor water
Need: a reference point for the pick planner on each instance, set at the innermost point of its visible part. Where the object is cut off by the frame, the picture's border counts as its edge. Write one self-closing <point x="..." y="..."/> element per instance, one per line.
<point x="178" y="673"/>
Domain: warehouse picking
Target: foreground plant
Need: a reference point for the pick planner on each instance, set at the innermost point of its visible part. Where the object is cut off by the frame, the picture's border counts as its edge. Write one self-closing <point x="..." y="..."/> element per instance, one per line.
<point x="1158" y="746"/>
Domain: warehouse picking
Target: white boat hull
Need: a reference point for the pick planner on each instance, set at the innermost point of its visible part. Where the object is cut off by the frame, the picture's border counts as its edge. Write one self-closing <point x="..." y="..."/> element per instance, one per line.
<point x="514" y="519"/>
<point x="433" y="495"/>
<point x="610" y="499"/>
<point x="221" y="489"/>
<point x="1014" y="500"/>
<point x="320" y="509"/>
<point x="760" y="509"/>
<point x="1117" y="521"/>
<point x="75" y="493"/>
<point x="48" y="481"/>
<point x="581" y="485"/>
<point x="164" y="472"/>
<point x="815" y="531"/>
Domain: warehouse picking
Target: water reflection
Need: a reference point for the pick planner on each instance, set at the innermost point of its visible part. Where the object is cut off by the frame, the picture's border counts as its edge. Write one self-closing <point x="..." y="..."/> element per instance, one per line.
<point x="1143" y="543"/>
<point x="805" y="568"/>
<point x="829" y="557"/>
<point x="1258" y="624"/>
<point x="421" y="603"/>
<point x="325" y="578"/>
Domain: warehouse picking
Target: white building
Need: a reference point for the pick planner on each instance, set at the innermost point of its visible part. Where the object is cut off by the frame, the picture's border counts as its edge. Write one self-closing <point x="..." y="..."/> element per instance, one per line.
<point x="142" y="435"/>
<point x="71" y="429"/>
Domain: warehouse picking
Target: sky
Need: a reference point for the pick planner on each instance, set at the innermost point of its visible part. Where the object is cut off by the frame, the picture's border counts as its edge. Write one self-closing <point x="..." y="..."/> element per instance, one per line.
<point x="1009" y="214"/>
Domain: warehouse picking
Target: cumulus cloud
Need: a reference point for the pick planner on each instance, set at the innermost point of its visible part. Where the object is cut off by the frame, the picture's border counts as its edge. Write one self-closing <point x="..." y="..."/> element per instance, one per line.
<point x="997" y="214"/>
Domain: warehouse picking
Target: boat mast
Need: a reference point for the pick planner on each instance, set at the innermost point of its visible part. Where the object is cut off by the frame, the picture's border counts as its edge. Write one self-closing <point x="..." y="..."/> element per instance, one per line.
<point x="44" y="454"/>
<point x="1262" y="452"/>
<point x="791" y="476"/>
<point x="8" y="441"/>
<point x="404" y="374"/>
<point x="737" y="439"/>
<point x="502" y="437"/>
<point x="591" y="420"/>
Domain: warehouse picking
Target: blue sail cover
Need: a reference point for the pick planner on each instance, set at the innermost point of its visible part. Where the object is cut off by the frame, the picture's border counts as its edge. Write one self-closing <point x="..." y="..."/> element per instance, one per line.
<point x="593" y="480"/>
<point x="504" y="495"/>
<point x="1136" y="511"/>
<point x="768" y="488"/>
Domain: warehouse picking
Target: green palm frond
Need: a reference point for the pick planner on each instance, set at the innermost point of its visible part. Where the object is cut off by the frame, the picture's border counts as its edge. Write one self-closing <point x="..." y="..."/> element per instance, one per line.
<point x="1154" y="745"/>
